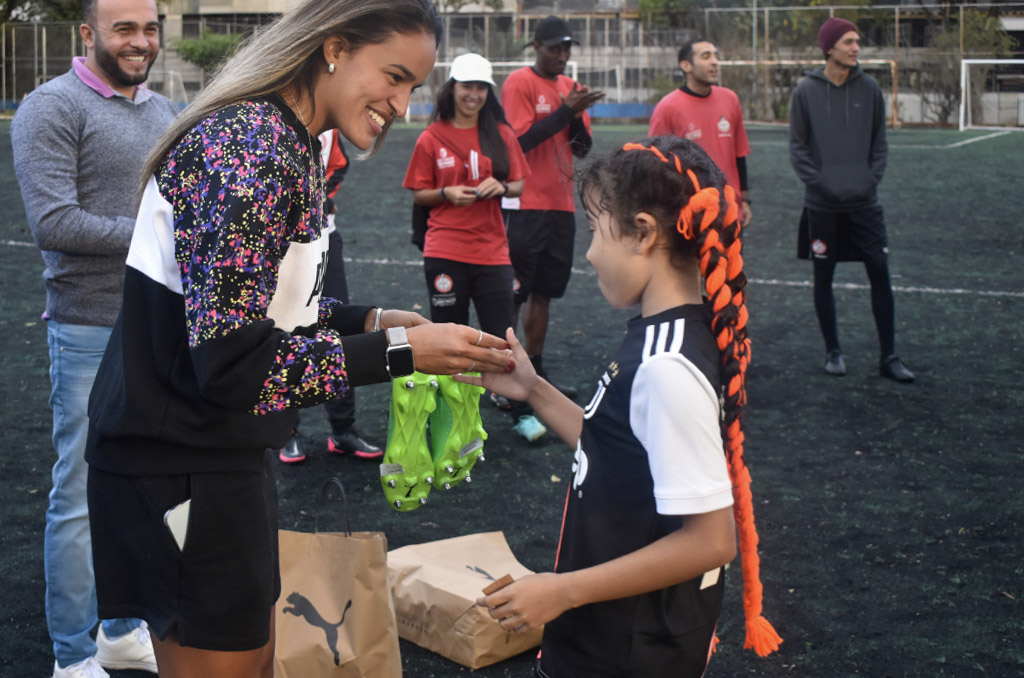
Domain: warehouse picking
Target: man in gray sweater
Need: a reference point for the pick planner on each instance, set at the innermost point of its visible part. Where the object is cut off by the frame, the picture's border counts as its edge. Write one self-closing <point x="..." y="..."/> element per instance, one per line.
<point x="838" y="148"/>
<point x="79" y="144"/>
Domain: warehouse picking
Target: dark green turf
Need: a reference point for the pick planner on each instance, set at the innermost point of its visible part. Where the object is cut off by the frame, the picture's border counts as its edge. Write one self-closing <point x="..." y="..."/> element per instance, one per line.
<point x="890" y="515"/>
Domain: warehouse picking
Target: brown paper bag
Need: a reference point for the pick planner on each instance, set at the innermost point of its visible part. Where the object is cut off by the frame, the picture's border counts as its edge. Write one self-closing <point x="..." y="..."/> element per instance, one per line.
<point x="335" y="616"/>
<point x="435" y="586"/>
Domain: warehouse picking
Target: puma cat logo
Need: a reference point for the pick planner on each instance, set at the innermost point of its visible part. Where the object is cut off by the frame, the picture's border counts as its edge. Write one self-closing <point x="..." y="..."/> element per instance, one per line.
<point x="480" y="571"/>
<point x="303" y="607"/>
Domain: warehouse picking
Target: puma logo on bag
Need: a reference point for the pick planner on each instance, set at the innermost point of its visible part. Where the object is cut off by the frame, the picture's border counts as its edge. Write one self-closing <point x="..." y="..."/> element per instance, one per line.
<point x="303" y="607"/>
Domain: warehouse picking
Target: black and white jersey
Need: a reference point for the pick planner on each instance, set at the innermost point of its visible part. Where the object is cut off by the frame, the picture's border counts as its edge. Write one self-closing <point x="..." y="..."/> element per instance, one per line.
<point x="650" y="453"/>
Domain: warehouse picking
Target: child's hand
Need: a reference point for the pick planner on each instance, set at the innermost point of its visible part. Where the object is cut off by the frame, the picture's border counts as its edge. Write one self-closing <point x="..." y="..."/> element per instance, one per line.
<point x="527" y="603"/>
<point x="517" y="383"/>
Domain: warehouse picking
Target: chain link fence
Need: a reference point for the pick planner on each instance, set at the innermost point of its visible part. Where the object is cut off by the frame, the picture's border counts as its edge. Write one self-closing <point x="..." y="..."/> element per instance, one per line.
<point x="913" y="50"/>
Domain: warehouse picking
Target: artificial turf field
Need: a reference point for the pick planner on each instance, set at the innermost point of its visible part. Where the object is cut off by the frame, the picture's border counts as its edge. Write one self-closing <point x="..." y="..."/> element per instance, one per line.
<point x="890" y="515"/>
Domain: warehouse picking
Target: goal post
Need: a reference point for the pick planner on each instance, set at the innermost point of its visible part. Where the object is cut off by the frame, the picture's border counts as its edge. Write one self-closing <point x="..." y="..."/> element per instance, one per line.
<point x="992" y="94"/>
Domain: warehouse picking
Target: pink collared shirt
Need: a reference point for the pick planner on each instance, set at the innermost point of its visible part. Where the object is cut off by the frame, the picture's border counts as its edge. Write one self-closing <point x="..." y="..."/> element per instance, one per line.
<point x="94" y="82"/>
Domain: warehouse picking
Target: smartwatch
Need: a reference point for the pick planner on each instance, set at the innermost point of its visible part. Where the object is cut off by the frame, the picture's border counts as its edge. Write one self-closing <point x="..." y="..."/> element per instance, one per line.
<point x="398" y="357"/>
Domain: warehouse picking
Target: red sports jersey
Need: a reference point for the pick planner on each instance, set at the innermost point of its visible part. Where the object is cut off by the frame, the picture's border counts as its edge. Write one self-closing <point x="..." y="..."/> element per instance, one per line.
<point x="448" y="156"/>
<point x="714" y="122"/>
<point x="527" y="98"/>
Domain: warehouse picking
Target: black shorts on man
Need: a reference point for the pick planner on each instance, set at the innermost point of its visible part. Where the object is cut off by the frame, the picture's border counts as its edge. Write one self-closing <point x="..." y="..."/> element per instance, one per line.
<point x="540" y="245"/>
<point x="844" y="236"/>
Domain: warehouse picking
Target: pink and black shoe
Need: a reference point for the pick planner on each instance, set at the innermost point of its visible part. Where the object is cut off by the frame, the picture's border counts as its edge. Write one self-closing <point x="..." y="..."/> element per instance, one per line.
<point x="351" y="442"/>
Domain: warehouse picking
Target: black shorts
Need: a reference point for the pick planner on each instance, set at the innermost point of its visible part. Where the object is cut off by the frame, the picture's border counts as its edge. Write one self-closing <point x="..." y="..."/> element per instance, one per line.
<point x="846" y="236"/>
<point x="452" y="284"/>
<point x="540" y="245"/>
<point x="218" y="592"/>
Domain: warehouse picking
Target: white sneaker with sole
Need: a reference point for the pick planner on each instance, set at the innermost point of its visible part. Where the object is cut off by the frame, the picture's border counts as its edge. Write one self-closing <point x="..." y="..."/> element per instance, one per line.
<point x="83" y="669"/>
<point x="133" y="650"/>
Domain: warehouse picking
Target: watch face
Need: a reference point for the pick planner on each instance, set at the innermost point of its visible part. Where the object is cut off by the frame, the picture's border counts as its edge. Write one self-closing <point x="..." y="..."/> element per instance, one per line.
<point x="400" y="362"/>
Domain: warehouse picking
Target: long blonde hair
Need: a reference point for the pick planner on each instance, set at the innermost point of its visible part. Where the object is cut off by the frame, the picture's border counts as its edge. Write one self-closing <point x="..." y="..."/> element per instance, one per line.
<point x="287" y="54"/>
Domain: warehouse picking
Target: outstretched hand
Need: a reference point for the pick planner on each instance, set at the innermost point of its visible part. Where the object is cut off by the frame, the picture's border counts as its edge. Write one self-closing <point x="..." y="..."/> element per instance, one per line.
<point x="528" y="603"/>
<point x="515" y="384"/>
<point x="393" y="317"/>
<point x="447" y="348"/>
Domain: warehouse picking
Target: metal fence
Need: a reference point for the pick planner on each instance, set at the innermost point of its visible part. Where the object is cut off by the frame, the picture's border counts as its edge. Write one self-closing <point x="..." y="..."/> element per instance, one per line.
<point x="633" y="57"/>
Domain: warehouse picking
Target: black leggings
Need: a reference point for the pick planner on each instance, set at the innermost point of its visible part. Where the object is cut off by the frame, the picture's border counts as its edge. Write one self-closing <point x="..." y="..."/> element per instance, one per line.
<point x="882" y="304"/>
<point x="451" y="285"/>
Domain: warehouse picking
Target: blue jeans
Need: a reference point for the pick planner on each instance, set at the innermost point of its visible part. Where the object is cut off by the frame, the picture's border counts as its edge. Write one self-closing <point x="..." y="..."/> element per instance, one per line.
<point x="75" y="353"/>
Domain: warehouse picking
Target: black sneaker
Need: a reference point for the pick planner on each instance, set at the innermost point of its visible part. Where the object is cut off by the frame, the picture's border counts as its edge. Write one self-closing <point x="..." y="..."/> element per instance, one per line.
<point x="516" y="408"/>
<point x="834" y="364"/>
<point x="291" y="453"/>
<point x="350" y="442"/>
<point x="893" y="368"/>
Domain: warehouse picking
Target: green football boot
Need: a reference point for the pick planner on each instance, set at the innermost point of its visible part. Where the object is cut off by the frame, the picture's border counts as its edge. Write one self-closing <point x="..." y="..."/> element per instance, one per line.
<point x="407" y="470"/>
<point x="456" y="433"/>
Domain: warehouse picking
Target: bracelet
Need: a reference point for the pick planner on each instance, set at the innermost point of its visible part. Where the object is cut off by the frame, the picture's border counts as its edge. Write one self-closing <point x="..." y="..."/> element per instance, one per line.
<point x="442" y="194"/>
<point x="376" y="319"/>
<point x="505" y="186"/>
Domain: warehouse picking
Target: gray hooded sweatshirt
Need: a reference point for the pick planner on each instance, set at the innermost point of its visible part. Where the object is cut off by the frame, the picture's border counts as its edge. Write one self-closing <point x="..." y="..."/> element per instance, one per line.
<point x="837" y="140"/>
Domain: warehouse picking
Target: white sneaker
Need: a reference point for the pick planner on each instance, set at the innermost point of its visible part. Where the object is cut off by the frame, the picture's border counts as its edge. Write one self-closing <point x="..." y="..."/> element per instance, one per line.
<point x="133" y="650"/>
<point x="83" y="669"/>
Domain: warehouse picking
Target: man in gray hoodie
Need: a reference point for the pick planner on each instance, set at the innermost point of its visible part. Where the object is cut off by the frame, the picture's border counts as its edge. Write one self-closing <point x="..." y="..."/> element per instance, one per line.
<point x="838" y="148"/>
<point x="79" y="143"/>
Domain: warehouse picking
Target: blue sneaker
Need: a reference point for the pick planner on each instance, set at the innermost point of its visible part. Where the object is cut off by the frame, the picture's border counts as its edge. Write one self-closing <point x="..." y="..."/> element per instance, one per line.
<point x="530" y="427"/>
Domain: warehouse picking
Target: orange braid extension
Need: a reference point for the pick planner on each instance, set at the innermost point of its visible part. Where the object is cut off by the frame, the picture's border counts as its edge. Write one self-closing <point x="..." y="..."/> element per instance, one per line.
<point x="721" y="264"/>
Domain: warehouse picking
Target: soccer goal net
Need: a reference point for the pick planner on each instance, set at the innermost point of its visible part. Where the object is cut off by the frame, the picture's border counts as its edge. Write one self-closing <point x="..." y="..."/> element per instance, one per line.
<point x="765" y="88"/>
<point x="423" y="100"/>
<point x="992" y="94"/>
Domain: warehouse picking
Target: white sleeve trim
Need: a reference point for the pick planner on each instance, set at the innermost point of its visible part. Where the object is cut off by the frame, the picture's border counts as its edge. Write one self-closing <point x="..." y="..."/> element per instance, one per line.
<point x="674" y="413"/>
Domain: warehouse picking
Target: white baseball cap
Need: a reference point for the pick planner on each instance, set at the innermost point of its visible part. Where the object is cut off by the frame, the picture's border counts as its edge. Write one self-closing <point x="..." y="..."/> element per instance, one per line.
<point x="472" y="68"/>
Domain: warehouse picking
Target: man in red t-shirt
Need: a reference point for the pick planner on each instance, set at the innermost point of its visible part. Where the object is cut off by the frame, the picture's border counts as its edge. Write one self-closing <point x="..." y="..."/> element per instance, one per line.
<point x="548" y="113"/>
<point x="707" y="115"/>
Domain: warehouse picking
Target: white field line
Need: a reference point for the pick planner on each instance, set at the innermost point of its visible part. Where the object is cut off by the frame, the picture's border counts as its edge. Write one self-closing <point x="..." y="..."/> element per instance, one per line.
<point x="756" y="281"/>
<point x="759" y="281"/>
<point x="940" y="147"/>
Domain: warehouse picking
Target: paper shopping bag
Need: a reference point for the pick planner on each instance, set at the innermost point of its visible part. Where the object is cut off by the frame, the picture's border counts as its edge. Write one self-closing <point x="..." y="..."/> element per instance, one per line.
<point x="435" y="587"/>
<point x="335" y="617"/>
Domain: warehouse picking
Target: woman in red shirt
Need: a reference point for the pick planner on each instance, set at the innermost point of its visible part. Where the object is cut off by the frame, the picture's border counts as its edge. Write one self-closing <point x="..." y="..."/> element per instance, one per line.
<point x="466" y="160"/>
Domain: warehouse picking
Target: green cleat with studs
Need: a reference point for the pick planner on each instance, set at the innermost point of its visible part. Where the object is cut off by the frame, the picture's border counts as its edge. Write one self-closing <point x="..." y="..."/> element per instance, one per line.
<point x="407" y="469"/>
<point x="456" y="433"/>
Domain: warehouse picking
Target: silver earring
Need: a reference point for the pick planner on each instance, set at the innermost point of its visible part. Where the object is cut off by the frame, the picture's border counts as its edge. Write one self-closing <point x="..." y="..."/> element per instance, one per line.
<point x="330" y="68"/>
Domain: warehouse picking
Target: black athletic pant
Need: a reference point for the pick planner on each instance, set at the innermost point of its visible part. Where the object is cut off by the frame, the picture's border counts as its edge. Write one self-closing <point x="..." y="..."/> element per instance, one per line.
<point x="882" y="305"/>
<point x="451" y="285"/>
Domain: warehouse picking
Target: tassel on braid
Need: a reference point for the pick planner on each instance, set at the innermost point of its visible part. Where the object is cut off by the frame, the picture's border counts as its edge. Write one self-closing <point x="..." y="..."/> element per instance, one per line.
<point x="719" y="252"/>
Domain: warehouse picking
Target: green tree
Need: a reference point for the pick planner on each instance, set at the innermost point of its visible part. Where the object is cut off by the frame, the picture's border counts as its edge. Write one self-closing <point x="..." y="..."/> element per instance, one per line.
<point x="210" y="50"/>
<point x="938" y="78"/>
<point x="44" y="10"/>
<point x="668" y="13"/>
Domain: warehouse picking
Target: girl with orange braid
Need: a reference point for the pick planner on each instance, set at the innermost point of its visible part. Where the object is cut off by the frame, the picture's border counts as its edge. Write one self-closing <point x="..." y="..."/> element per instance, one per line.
<point x="652" y="512"/>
